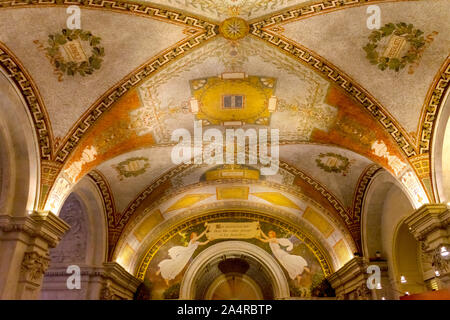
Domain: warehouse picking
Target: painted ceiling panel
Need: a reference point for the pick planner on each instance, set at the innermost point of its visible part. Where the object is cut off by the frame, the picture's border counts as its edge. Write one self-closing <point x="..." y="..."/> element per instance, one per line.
<point x="128" y="42"/>
<point x="340" y="37"/>
<point x="130" y="173"/>
<point x="221" y="9"/>
<point x="337" y="169"/>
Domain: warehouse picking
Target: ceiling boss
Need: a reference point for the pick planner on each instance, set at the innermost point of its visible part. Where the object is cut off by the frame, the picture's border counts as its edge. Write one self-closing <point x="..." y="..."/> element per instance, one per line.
<point x="234" y="28"/>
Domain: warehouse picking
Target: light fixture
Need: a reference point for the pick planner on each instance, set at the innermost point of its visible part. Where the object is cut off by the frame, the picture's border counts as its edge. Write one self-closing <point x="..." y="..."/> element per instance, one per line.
<point x="444" y="252"/>
<point x="383" y="298"/>
<point x="437" y="273"/>
<point x="407" y="293"/>
<point x="402" y="279"/>
<point x="379" y="286"/>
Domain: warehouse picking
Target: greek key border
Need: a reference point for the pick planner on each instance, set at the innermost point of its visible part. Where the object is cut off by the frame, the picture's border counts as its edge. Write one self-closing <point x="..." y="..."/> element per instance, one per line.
<point x="340" y="79"/>
<point x="107" y="196"/>
<point x="312" y="9"/>
<point x="433" y="106"/>
<point x="361" y="189"/>
<point x="25" y="85"/>
<point x="332" y="200"/>
<point x="206" y="31"/>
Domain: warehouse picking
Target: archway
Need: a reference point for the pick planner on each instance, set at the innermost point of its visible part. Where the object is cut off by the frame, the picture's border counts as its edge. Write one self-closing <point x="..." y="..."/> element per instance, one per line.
<point x="19" y="156"/>
<point x="440" y="154"/>
<point x="203" y="278"/>
<point x="408" y="270"/>
<point x="83" y="246"/>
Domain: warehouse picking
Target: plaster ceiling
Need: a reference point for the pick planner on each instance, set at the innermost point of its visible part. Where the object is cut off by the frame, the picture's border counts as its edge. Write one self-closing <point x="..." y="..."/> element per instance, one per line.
<point x="340" y="37"/>
<point x="337" y="113"/>
<point x="128" y="41"/>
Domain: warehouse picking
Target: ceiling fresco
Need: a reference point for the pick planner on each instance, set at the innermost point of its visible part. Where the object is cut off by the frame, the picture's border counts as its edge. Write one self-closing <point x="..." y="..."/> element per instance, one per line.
<point x="122" y="55"/>
<point x="341" y="42"/>
<point x="348" y="102"/>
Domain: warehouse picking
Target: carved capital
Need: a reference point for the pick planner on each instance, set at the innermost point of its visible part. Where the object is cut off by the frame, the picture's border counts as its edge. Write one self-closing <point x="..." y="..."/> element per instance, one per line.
<point x="351" y="280"/>
<point x="43" y="225"/>
<point x="430" y="224"/>
<point x="33" y="267"/>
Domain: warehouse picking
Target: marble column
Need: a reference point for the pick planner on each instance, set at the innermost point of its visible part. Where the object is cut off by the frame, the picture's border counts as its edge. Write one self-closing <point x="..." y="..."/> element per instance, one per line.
<point x="24" y="243"/>
<point x="430" y="224"/>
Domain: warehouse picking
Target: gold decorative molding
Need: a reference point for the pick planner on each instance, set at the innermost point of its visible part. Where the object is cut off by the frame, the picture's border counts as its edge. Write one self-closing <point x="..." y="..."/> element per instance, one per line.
<point x="432" y="106"/>
<point x="261" y="30"/>
<point x="234" y="214"/>
<point x="15" y="71"/>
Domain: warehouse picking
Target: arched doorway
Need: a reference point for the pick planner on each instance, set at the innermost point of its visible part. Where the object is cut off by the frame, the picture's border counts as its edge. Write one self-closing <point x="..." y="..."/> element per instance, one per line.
<point x="407" y="262"/>
<point x="234" y="270"/>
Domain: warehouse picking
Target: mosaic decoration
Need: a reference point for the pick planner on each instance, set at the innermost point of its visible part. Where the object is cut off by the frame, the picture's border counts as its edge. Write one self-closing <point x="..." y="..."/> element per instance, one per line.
<point x="433" y="106"/>
<point x="253" y="94"/>
<point x="167" y="267"/>
<point x="277" y="199"/>
<point x="234" y="28"/>
<point x="88" y="155"/>
<point x="75" y="51"/>
<point x="232" y="7"/>
<point x="25" y="85"/>
<point x="107" y="196"/>
<point x="380" y="149"/>
<point x="205" y="31"/>
<point x="402" y="45"/>
<point x="361" y="189"/>
<point x="333" y="162"/>
<point x="132" y="167"/>
<point x="264" y="30"/>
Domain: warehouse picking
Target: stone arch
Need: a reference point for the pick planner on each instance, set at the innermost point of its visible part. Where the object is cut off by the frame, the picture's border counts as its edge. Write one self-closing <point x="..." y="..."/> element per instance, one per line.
<point x="407" y="262"/>
<point x="232" y="249"/>
<point x="84" y="245"/>
<point x="385" y="206"/>
<point x="19" y="156"/>
<point x="440" y="153"/>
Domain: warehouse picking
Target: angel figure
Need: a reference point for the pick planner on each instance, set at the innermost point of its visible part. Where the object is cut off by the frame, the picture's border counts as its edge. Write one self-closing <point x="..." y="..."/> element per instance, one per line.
<point x="294" y="265"/>
<point x="179" y="257"/>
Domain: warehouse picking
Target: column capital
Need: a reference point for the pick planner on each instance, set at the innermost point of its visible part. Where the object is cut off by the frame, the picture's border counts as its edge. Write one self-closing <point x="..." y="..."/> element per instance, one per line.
<point x="119" y="284"/>
<point x="45" y="225"/>
<point x="430" y="224"/>
<point x="25" y="242"/>
<point x="351" y="279"/>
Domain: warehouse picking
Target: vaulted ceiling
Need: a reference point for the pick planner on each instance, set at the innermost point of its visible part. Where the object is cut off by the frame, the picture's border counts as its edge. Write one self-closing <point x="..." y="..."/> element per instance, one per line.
<point x="350" y="101"/>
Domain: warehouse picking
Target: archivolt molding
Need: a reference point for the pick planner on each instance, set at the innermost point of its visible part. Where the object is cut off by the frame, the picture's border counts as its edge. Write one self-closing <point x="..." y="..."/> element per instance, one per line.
<point x="312" y="9"/>
<point x="432" y="106"/>
<point x="107" y="196"/>
<point x="265" y="30"/>
<point x="236" y="213"/>
<point x="329" y="196"/>
<point x="361" y="189"/>
<point x="26" y="87"/>
<point x="109" y="205"/>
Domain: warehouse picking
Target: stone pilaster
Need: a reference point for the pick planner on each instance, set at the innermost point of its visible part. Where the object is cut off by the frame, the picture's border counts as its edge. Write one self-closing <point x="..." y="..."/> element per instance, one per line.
<point x="350" y="281"/>
<point x="107" y="282"/>
<point x="430" y="224"/>
<point x="25" y="242"/>
<point x="118" y="283"/>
